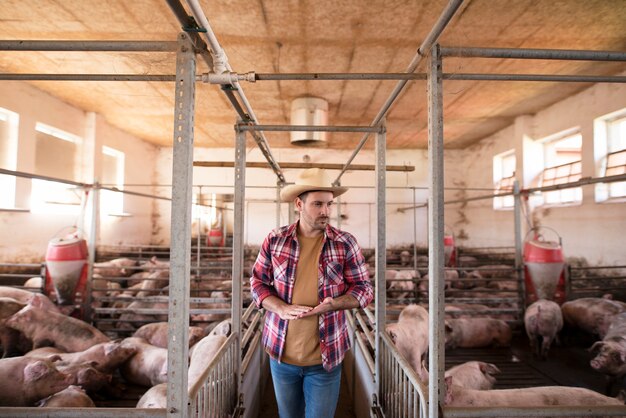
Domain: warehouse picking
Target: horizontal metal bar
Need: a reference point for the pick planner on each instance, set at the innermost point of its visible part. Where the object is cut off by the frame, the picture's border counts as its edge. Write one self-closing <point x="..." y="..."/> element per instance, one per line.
<point x="38" y="177"/>
<point x="339" y="76"/>
<point x="537" y="77"/>
<point x="544" y="411"/>
<point x="326" y="166"/>
<point x="307" y="128"/>
<point x="526" y="53"/>
<point x="88" y="77"/>
<point x="581" y="182"/>
<point x="110" y="46"/>
<point x="82" y="412"/>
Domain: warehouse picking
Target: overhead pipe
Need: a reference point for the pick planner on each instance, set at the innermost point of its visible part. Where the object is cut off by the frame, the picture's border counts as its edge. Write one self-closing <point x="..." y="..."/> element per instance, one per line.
<point x="527" y="53"/>
<point x="106" y="46"/>
<point x="422" y="51"/>
<point x="221" y="65"/>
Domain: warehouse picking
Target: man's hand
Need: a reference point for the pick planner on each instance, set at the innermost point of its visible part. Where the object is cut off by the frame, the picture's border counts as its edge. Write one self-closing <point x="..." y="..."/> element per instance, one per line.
<point x="293" y="311"/>
<point x="327" y="305"/>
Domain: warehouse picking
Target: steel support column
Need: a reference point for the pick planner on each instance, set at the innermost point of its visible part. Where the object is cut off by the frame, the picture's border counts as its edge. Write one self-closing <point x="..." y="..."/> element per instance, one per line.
<point x="519" y="266"/>
<point x="238" y="228"/>
<point x="381" y="250"/>
<point x="91" y="245"/>
<point x="436" y="353"/>
<point x="180" y="242"/>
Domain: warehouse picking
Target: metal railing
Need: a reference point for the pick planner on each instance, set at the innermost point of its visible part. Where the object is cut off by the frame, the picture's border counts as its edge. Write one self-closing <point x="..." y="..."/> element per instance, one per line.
<point x="215" y="393"/>
<point x="401" y="392"/>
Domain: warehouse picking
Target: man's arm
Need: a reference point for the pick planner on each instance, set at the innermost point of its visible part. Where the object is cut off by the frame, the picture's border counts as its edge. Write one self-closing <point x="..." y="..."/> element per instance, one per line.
<point x="283" y="309"/>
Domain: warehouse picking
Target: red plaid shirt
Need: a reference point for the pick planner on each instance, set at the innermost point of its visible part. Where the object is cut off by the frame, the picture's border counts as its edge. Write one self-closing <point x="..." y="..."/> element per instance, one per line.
<point x="341" y="270"/>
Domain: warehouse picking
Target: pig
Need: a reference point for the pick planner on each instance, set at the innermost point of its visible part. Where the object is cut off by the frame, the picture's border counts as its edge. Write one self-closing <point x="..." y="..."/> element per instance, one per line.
<point x="405" y="285"/>
<point x="155" y="397"/>
<point x="114" y="268"/>
<point x="156" y="334"/>
<point x="410" y="335"/>
<point x="148" y="366"/>
<point x="34" y="283"/>
<point x="592" y="315"/>
<point x="27" y="380"/>
<point x="477" y="332"/>
<point x="405" y="258"/>
<point x="154" y="264"/>
<point x="474" y="375"/>
<point x="451" y="278"/>
<point x="203" y="352"/>
<point x="43" y="327"/>
<point x="84" y="375"/>
<point x="543" y="321"/>
<point x="105" y="357"/>
<point x="70" y="397"/>
<point x="9" y="337"/>
<point x="469" y="280"/>
<point x="524" y="397"/>
<point x="26" y="297"/>
<point x="610" y="353"/>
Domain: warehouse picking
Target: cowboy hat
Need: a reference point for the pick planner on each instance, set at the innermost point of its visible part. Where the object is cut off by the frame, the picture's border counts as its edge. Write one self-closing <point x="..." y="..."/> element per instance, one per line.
<point x="312" y="179"/>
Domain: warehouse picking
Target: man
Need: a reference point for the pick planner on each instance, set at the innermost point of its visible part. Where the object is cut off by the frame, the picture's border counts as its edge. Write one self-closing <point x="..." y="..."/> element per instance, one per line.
<point x="305" y="276"/>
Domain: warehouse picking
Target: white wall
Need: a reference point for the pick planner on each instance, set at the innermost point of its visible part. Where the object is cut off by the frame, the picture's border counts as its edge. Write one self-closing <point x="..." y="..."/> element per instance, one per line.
<point x="594" y="231"/>
<point x="24" y="235"/>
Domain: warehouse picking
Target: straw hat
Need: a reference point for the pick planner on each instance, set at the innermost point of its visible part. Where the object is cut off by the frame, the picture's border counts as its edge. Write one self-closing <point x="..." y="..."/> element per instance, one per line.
<point x="312" y="179"/>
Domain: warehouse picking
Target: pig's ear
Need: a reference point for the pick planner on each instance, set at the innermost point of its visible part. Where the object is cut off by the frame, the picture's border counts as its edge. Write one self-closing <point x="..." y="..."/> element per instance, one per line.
<point x="54" y="358"/>
<point x="35" y="371"/>
<point x="448" y="327"/>
<point x="153" y="260"/>
<point x="488" y="368"/>
<point x="596" y="346"/>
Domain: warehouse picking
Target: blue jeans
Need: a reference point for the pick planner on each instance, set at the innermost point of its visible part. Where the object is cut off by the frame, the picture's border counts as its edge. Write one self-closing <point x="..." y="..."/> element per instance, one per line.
<point x="305" y="391"/>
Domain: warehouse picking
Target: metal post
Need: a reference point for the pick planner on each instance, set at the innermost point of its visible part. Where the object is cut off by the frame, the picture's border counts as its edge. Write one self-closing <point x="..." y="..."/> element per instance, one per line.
<point x="415" y="245"/>
<point x="180" y="263"/>
<point x="93" y="232"/>
<point x="239" y="201"/>
<point x="519" y="265"/>
<point x="381" y="250"/>
<point x="199" y="241"/>
<point x="436" y="353"/>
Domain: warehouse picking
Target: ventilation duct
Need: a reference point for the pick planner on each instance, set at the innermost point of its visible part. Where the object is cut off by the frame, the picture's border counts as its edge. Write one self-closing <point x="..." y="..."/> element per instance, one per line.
<point x="309" y="111"/>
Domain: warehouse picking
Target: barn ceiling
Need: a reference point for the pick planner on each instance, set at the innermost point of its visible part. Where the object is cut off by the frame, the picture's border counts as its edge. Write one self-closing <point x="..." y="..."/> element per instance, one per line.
<point x="306" y="36"/>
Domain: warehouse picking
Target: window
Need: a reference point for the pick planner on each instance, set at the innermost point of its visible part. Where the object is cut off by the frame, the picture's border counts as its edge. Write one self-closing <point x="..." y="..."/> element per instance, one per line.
<point x="616" y="156"/>
<point x="503" y="178"/>
<point x="8" y="156"/>
<point x="112" y="203"/>
<point x="56" y="156"/>
<point x="562" y="154"/>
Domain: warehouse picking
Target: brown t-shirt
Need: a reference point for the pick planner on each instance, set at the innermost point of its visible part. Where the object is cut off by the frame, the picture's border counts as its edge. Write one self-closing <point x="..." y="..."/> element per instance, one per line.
<point x="302" y="343"/>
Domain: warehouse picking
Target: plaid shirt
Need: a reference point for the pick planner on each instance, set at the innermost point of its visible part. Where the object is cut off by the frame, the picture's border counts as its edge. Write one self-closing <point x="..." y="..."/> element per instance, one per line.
<point x="341" y="270"/>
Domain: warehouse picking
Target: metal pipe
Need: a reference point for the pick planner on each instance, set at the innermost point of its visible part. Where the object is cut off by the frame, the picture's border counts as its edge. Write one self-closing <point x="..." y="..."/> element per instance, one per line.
<point x="422" y="51"/>
<point x="89" y="77"/>
<point x="107" y="46"/>
<point x="526" y="53"/>
<point x="182" y="176"/>
<point x="537" y="77"/>
<point x="309" y="128"/>
<point x="339" y="76"/>
<point x="30" y="412"/>
<point x="436" y="353"/>
<point x="327" y="166"/>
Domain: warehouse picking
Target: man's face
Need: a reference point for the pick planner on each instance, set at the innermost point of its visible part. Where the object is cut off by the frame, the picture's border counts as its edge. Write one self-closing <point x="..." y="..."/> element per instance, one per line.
<point x="315" y="210"/>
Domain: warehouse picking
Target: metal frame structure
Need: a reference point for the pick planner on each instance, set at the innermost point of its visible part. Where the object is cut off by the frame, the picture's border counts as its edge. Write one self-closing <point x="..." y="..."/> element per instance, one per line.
<point x="187" y="46"/>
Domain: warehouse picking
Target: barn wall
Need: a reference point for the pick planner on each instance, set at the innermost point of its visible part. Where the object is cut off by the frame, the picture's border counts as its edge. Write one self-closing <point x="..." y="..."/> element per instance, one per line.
<point x="357" y="209"/>
<point x="591" y="230"/>
<point x="24" y="235"/>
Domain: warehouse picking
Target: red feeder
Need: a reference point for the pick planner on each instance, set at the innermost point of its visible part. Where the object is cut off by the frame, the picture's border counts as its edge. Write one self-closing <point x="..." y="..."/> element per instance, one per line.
<point x="66" y="268"/>
<point x="544" y="271"/>
<point x="449" y="250"/>
<point x="215" y="238"/>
